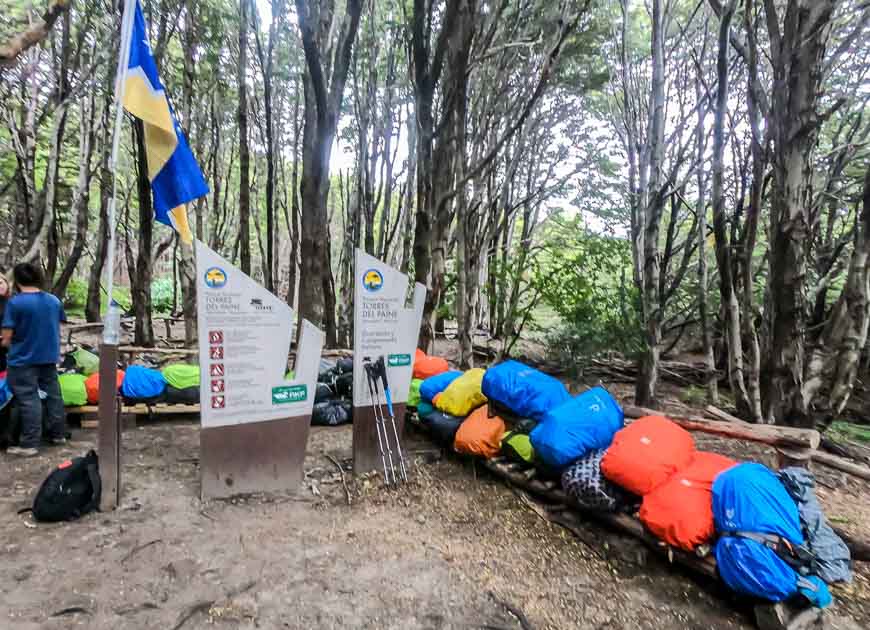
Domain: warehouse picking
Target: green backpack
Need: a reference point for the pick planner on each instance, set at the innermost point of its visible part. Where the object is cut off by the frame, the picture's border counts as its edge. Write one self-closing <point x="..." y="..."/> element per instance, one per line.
<point x="181" y="375"/>
<point x="87" y="362"/>
<point x="72" y="389"/>
<point x="414" y="392"/>
<point x="517" y="447"/>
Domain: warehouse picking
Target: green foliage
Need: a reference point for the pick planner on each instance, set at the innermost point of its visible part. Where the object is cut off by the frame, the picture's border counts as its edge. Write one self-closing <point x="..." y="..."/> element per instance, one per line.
<point x="76" y="298"/>
<point x="848" y="431"/>
<point x="694" y="396"/>
<point x="585" y="279"/>
<point x="161" y="295"/>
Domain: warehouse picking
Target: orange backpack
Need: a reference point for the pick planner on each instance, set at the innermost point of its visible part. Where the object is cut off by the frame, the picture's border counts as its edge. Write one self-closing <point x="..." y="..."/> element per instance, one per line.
<point x="92" y="385"/>
<point x="479" y="434"/>
<point x="426" y="366"/>
<point x="646" y="453"/>
<point x="680" y="511"/>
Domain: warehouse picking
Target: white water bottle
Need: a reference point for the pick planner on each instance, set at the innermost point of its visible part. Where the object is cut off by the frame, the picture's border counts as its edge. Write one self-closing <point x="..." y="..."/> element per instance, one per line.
<point x="112" y="324"/>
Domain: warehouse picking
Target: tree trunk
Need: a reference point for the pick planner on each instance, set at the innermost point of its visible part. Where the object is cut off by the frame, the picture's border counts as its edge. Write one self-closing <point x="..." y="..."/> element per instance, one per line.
<point x="647" y="382"/>
<point x="95" y="274"/>
<point x="750" y="230"/>
<point x="410" y="188"/>
<point x="833" y="364"/>
<point x="81" y="196"/>
<point x="323" y="97"/>
<point x="295" y="211"/>
<point x="796" y="56"/>
<point x="727" y="289"/>
<point x="143" y="334"/>
<point x="244" y="152"/>
<point x="711" y="378"/>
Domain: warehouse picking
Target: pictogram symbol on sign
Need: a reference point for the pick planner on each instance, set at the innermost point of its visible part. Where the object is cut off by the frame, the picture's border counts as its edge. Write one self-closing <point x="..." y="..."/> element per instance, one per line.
<point x="217" y="386"/>
<point x="216" y="369"/>
<point x="217" y="402"/>
<point x="216" y="337"/>
<point x="217" y="352"/>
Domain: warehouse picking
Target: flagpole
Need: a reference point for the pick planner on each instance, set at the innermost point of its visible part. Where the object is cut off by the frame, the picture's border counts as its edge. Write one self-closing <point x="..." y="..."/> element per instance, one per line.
<point x="109" y="429"/>
<point x="120" y="84"/>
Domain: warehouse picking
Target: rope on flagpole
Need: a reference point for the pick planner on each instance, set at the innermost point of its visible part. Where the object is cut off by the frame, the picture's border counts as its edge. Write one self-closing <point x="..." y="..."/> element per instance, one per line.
<point x="120" y="82"/>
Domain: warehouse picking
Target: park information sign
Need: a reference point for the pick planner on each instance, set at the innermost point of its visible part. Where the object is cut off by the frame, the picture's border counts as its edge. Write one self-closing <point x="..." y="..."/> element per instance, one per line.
<point x="250" y="412"/>
<point x="383" y="327"/>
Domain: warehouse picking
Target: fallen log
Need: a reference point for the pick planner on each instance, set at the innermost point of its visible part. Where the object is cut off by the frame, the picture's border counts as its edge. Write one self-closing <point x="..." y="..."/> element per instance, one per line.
<point x="718" y="414"/>
<point x="842" y="464"/>
<point x="763" y="433"/>
<point x="849" y="451"/>
<point x="620" y="522"/>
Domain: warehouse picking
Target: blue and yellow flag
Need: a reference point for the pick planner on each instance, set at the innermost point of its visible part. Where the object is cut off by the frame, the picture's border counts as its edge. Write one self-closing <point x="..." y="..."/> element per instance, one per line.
<point x="176" y="178"/>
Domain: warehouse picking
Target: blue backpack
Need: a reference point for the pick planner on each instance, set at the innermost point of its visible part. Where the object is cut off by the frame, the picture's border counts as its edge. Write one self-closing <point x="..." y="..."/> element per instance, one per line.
<point x="761" y="549"/>
<point x="523" y="390"/>
<point x="581" y="424"/>
<point x="142" y="384"/>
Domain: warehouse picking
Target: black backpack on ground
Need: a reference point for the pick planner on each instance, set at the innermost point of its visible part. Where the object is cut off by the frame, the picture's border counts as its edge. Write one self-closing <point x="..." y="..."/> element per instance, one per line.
<point x="70" y="491"/>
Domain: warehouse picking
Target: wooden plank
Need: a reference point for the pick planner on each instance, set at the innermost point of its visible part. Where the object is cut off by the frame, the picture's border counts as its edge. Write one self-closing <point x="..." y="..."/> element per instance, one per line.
<point x="160" y="408"/>
<point x="763" y="433"/>
<point x="140" y="349"/>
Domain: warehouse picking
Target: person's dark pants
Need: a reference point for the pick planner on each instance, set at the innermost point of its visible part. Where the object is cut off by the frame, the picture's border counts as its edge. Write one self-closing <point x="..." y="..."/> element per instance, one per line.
<point x="26" y="381"/>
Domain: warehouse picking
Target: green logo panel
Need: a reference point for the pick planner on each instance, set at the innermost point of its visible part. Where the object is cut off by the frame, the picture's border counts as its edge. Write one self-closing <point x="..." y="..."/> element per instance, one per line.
<point x="289" y="394"/>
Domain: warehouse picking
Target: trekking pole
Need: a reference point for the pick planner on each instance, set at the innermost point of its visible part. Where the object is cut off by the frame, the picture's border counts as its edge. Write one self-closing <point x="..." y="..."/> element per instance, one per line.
<point x="382" y="368"/>
<point x="380" y="425"/>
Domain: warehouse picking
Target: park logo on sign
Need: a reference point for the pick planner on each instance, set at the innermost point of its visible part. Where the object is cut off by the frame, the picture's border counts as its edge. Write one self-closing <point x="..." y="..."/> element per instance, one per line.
<point x="215" y="277"/>
<point x="372" y="280"/>
<point x="398" y="360"/>
<point x="289" y="394"/>
<point x="258" y="305"/>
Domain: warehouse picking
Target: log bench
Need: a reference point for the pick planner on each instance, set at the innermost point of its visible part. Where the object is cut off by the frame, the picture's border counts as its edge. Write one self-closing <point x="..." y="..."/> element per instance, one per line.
<point x="561" y="509"/>
<point x="90" y="413"/>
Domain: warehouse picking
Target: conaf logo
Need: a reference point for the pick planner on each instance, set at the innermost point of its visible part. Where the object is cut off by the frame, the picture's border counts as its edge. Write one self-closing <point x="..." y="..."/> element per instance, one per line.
<point x="215" y="277"/>
<point x="373" y="280"/>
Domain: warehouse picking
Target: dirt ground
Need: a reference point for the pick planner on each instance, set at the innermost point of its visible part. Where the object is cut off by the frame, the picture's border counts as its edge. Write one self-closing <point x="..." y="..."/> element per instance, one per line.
<point x="455" y="548"/>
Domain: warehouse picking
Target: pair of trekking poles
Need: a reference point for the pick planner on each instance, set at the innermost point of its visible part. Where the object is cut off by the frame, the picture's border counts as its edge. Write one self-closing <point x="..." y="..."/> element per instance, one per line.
<point x="376" y="375"/>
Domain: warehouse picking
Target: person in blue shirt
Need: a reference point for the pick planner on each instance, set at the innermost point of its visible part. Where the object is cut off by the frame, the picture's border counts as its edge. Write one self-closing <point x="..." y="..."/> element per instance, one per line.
<point x="31" y="332"/>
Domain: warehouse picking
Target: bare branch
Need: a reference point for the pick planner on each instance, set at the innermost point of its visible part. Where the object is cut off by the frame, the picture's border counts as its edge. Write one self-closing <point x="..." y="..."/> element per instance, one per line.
<point x="32" y="36"/>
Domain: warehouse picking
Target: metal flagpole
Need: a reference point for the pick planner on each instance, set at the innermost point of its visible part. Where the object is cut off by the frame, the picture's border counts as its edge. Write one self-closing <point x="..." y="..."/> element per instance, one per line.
<point x="109" y="431"/>
<point x="120" y="84"/>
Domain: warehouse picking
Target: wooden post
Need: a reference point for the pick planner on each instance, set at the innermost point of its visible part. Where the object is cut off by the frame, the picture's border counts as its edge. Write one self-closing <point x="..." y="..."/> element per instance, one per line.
<point x="109" y="430"/>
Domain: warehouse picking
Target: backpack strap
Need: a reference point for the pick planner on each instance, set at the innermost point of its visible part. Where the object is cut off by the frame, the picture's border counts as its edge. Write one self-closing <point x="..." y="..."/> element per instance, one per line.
<point x="93" y="468"/>
<point x="798" y="557"/>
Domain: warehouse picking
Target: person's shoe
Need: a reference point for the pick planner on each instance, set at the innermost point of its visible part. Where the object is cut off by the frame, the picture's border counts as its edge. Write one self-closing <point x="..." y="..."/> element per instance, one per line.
<point x="59" y="441"/>
<point x="22" y="451"/>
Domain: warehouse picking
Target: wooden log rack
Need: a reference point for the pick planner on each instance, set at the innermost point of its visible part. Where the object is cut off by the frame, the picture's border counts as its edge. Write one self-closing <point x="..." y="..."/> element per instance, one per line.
<point x="794" y="445"/>
<point x="89" y="413"/>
